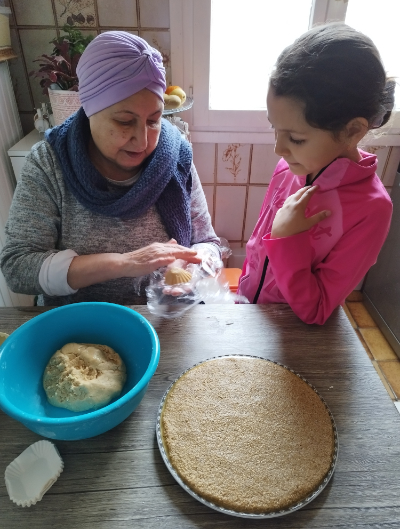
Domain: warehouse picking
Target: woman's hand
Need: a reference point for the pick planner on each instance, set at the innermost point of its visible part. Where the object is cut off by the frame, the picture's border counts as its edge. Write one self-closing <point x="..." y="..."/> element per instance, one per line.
<point x="291" y="218"/>
<point x="86" y="270"/>
<point x="145" y="260"/>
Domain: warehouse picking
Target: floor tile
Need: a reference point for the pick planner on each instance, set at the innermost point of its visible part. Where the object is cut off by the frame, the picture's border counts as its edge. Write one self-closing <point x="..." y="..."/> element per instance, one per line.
<point x="364" y="345"/>
<point x="383" y="379"/>
<point x="381" y="354"/>
<point x="378" y="345"/>
<point x="360" y="314"/>
<point x="350" y="317"/>
<point x="356" y="295"/>
<point x="391" y="370"/>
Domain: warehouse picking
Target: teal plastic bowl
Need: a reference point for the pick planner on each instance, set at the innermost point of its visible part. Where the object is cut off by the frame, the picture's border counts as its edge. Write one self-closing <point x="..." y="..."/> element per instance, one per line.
<point x="25" y="354"/>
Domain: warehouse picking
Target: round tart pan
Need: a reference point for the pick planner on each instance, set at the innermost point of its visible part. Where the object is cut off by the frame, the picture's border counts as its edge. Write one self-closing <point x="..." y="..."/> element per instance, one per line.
<point x="271" y="514"/>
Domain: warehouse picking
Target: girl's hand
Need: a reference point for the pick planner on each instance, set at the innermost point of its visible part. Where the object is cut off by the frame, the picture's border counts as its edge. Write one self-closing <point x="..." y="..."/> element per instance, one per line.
<point x="291" y="218"/>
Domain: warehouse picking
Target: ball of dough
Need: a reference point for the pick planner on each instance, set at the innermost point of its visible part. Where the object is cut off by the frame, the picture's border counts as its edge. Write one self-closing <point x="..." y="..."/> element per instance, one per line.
<point x="81" y="377"/>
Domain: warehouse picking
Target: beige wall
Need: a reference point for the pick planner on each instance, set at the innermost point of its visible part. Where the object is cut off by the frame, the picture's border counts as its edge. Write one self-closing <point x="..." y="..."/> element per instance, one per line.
<point x="35" y="22"/>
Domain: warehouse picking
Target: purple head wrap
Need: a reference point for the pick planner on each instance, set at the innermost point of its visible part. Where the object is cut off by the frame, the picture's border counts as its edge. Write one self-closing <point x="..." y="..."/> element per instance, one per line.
<point x="115" y="66"/>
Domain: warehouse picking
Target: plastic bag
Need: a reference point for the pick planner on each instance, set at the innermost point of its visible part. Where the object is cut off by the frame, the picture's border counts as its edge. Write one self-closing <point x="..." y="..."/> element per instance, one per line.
<point x="205" y="286"/>
<point x="225" y="249"/>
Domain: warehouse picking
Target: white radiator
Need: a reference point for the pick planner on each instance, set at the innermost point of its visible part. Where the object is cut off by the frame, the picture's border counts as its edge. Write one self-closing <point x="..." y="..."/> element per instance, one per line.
<point x="10" y="133"/>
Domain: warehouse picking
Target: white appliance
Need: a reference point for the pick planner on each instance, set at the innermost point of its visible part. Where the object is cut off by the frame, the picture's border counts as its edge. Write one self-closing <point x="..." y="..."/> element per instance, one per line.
<point x="20" y="150"/>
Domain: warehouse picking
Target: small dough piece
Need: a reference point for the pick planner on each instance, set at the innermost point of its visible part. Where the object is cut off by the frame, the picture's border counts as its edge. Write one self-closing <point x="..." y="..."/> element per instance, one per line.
<point x="81" y="377"/>
<point x="175" y="276"/>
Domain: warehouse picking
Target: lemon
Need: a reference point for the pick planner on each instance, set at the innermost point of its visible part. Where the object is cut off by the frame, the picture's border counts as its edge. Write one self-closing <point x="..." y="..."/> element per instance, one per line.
<point x="180" y="93"/>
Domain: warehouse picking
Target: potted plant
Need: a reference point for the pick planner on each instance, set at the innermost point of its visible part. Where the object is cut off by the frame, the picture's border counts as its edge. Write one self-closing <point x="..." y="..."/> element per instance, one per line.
<point x="57" y="72"/>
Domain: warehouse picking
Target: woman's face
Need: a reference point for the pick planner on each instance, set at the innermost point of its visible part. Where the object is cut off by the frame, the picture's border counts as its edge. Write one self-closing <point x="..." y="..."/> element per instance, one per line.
<point x="126" y="133"/>
<point x="306" y="149"/>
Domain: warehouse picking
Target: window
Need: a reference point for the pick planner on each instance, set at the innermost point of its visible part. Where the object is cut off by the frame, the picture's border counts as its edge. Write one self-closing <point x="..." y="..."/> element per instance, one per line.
<point x="215" y="55"/>
<point x="382" y="28"/>
<point x="244" y="48"/>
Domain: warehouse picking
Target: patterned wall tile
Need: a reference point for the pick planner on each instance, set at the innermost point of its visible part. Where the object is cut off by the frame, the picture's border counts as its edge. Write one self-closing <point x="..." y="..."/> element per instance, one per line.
<point x="254" y="202"/>
<point x="154" y="13"/>
<point x="162" y="42"/>
<point x="121" y="13"/>
<point x="37" y="13"/>
<point x="263" y="163"/>
<point x="229" y="211"/>
<point x="233" y="163"/>
<point x="204" y="160"/>
<point x="209" y="194"/>
<point x="34" y="43"/>
<point x="76" y="12"/>
<point x="85" y="32"/>
<point x="18" y="76"/>
<point x="134" y="32"/>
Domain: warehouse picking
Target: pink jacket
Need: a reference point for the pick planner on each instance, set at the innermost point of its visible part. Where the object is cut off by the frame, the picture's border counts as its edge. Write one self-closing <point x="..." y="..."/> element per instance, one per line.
<point x="315" y="270"/>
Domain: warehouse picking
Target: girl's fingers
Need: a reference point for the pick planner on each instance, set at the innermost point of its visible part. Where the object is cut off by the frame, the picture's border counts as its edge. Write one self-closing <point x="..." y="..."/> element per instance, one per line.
<point x="309" y="192"/>
<point x="318" y="217"/>
<point x="299" y="193"/>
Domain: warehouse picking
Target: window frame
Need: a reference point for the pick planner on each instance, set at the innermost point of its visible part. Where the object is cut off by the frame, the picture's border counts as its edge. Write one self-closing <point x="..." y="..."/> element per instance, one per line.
<point x="190" y="66"/>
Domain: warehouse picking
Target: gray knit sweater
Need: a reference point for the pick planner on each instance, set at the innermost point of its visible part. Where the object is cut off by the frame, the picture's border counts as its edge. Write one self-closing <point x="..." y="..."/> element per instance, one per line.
<point x="46" y="218"/>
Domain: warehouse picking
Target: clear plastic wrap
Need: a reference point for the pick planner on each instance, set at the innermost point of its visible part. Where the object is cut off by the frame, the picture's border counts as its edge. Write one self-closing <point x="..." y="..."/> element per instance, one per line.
<point x="225" y="250"/>
<point x="204" y="286"/>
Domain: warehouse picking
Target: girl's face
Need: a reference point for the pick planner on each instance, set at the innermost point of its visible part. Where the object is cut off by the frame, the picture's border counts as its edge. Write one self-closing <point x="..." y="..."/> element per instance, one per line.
<point x="126" y="133"/>
<point x="306" y="149"/>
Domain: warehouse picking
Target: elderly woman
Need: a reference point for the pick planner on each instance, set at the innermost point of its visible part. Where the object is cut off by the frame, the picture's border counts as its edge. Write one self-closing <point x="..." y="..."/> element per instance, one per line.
<point x="111" y="194"/>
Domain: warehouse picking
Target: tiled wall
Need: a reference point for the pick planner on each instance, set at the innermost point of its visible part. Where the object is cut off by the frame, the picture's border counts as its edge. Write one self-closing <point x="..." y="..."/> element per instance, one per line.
<point x="35" y="22"/>
<point x="234" y="176"/>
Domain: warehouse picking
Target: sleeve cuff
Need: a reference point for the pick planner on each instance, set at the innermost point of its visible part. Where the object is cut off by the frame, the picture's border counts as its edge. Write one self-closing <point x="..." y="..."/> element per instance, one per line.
<point x="53" y="273"/>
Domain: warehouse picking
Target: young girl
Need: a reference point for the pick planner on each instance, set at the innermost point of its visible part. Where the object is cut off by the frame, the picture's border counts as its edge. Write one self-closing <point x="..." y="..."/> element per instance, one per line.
<point x="326" y="213"/>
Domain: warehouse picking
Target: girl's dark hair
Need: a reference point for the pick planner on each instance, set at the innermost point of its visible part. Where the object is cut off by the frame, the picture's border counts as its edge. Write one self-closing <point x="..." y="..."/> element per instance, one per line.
<point x="338" y="74"/>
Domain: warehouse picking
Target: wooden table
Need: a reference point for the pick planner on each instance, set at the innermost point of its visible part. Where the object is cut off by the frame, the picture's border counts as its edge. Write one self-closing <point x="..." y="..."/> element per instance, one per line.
<point x="118" y="479"/>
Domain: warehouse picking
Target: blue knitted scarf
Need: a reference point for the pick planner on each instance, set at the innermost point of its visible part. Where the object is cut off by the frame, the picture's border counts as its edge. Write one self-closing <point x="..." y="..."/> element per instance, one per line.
<point x="165" y="180"/>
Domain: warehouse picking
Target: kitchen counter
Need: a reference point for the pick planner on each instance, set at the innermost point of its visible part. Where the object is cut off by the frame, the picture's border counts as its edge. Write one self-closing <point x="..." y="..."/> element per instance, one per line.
<point x="119" y="480"/>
